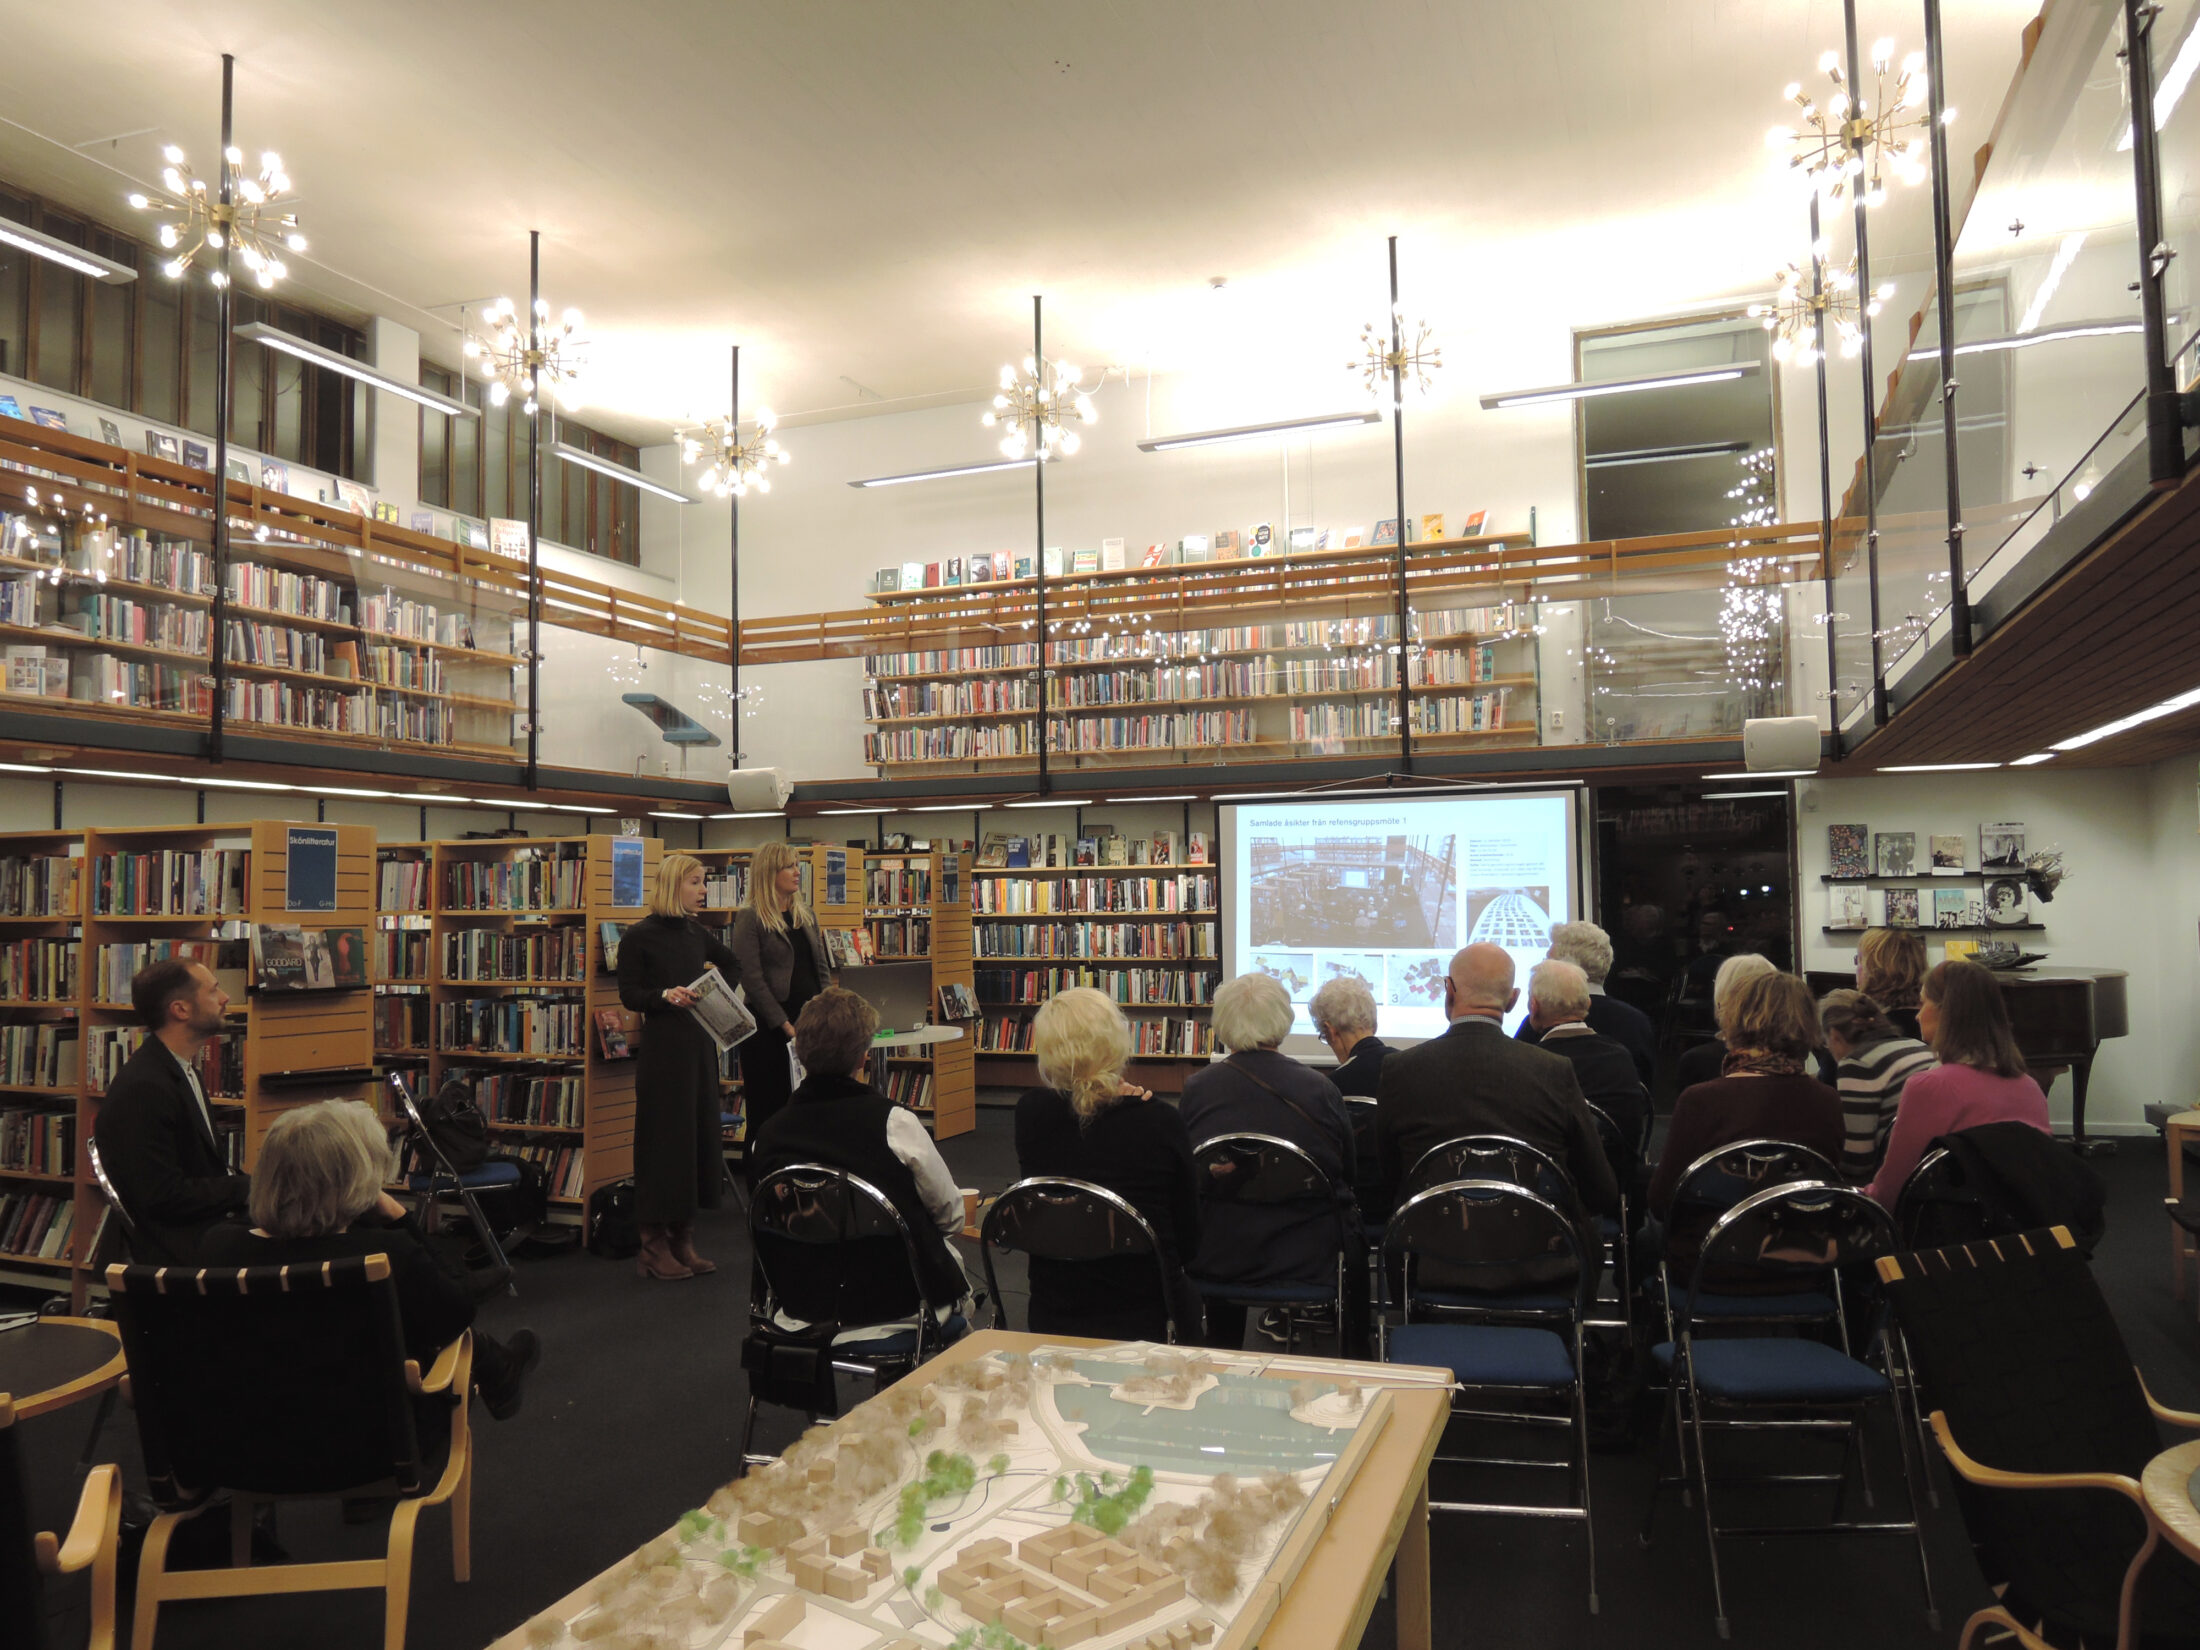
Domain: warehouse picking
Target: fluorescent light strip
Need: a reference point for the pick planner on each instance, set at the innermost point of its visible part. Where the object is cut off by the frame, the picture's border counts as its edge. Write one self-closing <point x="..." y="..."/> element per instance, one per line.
<point x="855" y="810"/>
<point x="1940" y="767"/>
<point x="1768" y="773"/>
<point x="942" y="475"/>
<point x="275" y="338"/>
<point x="1665" y="455"/>
<point x="2171" y="88"/>
<point x="2025" y="340"/>
<point x="1259" y="432"/>
<point x="949" y="808"/>
<point x="1397" y="795"/>
<point x="2109" y="730"/>
<point x="1053" y="802"/>
<point x="617" y="472"/>
<point x="2065" y="255"/>
<point x="1188" y="796"/>
<point x="61" y="252"/>
<point x="762" y="815"/>
<point x="1736" y="796"/>
<point x="2034" y="760"/>
<point x="1620" y="386"/>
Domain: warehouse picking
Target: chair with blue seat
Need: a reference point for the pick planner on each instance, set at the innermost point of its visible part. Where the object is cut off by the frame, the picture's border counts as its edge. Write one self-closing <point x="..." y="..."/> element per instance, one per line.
<point x="832" y="1253"/>
<point x="1732" y="1373"/>
<point x="1476" y="1238"/>
<point x="1494" y="1157"/>
<point x="1717" y="1181"/>
<point x="1367" y="1185"/>
<point x="1266" y="1171"/>
<point x="1616" y="1230"/>
<point x="434" y="1178"/>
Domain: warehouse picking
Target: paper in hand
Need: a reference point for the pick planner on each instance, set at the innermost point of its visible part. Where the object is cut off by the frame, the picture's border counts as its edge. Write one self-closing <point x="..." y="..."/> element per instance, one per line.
<point x="721" y="1010"/>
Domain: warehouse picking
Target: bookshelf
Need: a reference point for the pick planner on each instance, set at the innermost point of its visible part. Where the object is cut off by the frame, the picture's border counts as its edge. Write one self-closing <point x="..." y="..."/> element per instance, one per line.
<point x="916" y="907"/>
<point x="41" y="991"/>
<point x="402" y="959"/>
<point x="727" y="871"/>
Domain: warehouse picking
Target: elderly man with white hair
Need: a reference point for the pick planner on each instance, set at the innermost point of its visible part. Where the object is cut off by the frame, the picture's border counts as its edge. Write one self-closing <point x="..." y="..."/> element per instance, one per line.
<point x="1558" y="1008"/>
<point x="1589" y="949"/>
<point x="1476" y="1080"/>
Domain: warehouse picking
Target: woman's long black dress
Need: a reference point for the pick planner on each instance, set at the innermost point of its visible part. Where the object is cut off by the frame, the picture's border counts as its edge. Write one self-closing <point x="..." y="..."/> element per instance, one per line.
<point x="679" y="1157"/>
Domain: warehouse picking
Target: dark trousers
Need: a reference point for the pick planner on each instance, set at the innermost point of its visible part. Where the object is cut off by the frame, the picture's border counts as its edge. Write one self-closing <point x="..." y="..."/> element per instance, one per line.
<point x="765" y="1088"/>
<point x="1226" y="1321"/>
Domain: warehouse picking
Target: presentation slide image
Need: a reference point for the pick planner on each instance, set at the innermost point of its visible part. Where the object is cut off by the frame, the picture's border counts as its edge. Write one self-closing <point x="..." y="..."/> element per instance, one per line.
<point x="1415" y="979"/>
<point x="1334" y="885"/>
<point x="1294" y="968"/>
<point x="1364" y="966"/>
<point x="1519" y="919"/>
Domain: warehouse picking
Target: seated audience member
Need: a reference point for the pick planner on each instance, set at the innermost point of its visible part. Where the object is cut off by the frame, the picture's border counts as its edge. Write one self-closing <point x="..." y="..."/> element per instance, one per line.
<point x="1476" y="1080"/>
<point x="1890" y="969"/>
<point x="1981" y="1077"/>
<point x="1091" y="1123"/>
<point x="1765" y="1094"/>
<point x="1260" y="1091"/>
<point x="1706" y="1060"/>
<point x="1875" y="1062"/>
<point x="838" y="1119"/>
<point x="155" y="1129"/>
<point x="1343" y="1012"/>
<point x="1558" y="1008"/>
<point x="321" y="1173"/>
<point x="1589" y="949"/>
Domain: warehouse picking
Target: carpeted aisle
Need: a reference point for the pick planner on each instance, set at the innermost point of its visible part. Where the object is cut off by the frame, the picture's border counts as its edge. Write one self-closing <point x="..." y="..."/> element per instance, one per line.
<point x="635" y="1415"/>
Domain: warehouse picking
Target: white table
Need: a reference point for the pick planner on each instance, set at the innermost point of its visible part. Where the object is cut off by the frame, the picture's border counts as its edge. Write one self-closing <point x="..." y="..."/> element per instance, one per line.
<point x="922" y="1037"/>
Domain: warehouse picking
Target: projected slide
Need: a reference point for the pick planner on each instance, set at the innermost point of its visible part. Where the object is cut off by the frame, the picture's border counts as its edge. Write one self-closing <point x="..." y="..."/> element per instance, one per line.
<point x="1385" y="892"/>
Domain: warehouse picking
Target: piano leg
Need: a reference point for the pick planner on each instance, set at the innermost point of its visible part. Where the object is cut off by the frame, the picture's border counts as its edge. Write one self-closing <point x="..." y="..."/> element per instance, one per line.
<point x="2081" y="1072"/>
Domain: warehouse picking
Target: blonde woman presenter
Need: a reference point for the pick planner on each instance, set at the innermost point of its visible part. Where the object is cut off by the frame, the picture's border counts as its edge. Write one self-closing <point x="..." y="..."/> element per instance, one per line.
<point x="783" y="964"/>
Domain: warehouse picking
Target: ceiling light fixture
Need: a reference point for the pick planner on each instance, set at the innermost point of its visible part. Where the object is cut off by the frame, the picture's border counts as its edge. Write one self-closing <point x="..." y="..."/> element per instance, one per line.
<point x="2033" y="760"/>
<point x="519" y="360"/>
<point x="761" y="814"/>
<point x="1665" y="455"/>
<point x="2046" y="335"/>
<point x="1818" y="299"/>
<point x="1848" y="143"/>
<point x="275" y="338"/>
<point x="948" y="808"/>
<point x="1940" y="767"/>
<point x="1187" y="796"/>
<point x="1736" y="796"/>
<point x="1035" y="405"/>
<point x="855" y="810"/>
<point x="1390" y="365"/>
<point x="1260" y="432"/>
<point x="242" y="212"/>
<point x="1769" y="773"/>
<point x="23" y="237"/>
<point x="942" y="475"/>
<point x="1053" y="802"/>
<point x="1620" y="386"/>
<point x="587" y="460"/>
<point x="2124" y="724"/>
<point x="733" y="464"/>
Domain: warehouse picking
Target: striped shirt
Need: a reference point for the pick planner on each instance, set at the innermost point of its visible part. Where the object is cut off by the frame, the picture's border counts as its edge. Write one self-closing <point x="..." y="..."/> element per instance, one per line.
<point x="1870" y="1081"/>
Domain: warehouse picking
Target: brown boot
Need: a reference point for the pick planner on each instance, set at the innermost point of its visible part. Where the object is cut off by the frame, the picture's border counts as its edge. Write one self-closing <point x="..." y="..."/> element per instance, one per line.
<point x="657" y="1259"/>
<point x="682" y="1233"/>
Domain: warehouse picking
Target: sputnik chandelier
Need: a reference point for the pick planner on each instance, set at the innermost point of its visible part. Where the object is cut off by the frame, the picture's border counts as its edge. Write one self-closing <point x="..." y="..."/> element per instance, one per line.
<point x="525" y="361"/>
<point x="1851" y="143"/>
<point x="1814" y="292"/>
<point x="734" y="464"/>
<point x="1392" y="361"/>
<point x="251" y="220"/>
<point x="1040" y="400"/>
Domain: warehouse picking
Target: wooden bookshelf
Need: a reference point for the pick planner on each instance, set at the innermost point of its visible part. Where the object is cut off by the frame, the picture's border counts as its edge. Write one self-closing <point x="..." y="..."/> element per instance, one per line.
<point x="902" y="895"/>
<point x="50" y="1167"/>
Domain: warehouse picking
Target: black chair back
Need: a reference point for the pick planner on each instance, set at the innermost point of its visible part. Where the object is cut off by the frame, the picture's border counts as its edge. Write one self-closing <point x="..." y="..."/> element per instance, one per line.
<point x="1790" y="1239"/>
<point x="1053" y="1217"/>
<point x="1935" y="1209"/>
<point x="1725" y="1175"/>
<point x="271" y="1380"/>
<point x="1492" y="1157"/>
<point x="831" y="1248"/>
<point x="1619" y="1151"/>
<point x="1262" y="1170"/>
<point x="1485" y="1235"/>
<point x="1361" y="1112"/>
<point x="98" y="1165"/>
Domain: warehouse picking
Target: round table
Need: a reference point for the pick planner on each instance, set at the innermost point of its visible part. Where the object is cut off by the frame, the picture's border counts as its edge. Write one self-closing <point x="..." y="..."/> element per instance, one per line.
<point x="2171" y="1485"/>
<point x="921" y="1037"/>
<point x="55" y="1362"/>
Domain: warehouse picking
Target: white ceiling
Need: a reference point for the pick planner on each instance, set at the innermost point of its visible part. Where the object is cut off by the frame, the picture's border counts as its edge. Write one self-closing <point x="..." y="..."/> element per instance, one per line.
<point x="866" y="195"/>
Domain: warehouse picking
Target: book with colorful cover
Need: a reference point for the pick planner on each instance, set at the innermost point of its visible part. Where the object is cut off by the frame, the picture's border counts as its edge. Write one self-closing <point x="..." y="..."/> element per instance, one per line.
<point x="1195" y="848"/>
<point x="611" y="1034"/>
<point x="1848" y="908"/>
<point x="1432" y="527"/>
<point x="1226" y="545"/>
<point x="1386" y="530"/>
<point x="1951" y="908"/>
<point x="1848" y="848"/>
<point x="1902" y="907"/>
<point x="1084" y="561"/>
<point x="979" y="568"/>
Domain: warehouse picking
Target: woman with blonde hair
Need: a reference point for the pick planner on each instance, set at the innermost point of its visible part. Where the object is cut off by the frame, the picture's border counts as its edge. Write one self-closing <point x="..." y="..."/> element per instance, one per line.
<point x="1890" y="970"/>
<point x="1703" y="1062"/>
<point x="1090" y="1123"/>
<point x="783" y="964"/>
<point x="679" y="1158"/>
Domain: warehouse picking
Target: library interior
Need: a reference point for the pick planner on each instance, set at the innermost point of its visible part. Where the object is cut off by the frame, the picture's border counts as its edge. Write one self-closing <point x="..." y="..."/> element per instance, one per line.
<point x="838" y="865"/>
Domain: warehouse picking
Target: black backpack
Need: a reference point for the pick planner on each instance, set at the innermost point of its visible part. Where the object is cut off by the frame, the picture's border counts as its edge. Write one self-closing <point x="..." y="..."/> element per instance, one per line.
<point x="613" y="1232"/>
<point x="456" y="1125"/>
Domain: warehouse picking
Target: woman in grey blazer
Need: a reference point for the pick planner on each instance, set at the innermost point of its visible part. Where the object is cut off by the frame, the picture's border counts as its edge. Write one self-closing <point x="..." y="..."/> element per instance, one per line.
<point x="783" y="964"/>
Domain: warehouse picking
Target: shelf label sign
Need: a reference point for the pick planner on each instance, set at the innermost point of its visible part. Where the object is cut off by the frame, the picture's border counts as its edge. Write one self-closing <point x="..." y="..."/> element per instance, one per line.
<point x="309" y="869"/>
<point x="626" y="871"/>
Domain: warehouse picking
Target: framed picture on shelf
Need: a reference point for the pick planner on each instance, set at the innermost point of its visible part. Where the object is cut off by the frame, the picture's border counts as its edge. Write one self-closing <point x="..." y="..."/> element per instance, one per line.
<point x="274" y="477"/>
<point x="1902" y="907"/>
<point x="196" y="456"/>
<point x="110" y="432"/>
<point x="47" y="418"/>
<point x="2008" y="905"/>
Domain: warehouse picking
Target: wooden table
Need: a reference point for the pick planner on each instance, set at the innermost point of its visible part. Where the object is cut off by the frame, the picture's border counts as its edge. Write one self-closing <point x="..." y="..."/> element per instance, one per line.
<point x="56" y="1362"/>
<point x="2179" y="1129"/>
<point x="2170" y="1482"/>
<point x="1383" y="1514"/>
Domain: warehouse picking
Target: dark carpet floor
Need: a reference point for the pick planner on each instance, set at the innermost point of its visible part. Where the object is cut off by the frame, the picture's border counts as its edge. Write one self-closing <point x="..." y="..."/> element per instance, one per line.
<point x="635" y="1415"/>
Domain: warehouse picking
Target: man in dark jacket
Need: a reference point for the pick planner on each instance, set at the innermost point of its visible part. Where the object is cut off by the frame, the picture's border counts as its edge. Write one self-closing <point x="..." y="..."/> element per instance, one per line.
<point x="1589" y="949"/>
<point x="1558" y="1008"/>
<point x="155" y="1129"/>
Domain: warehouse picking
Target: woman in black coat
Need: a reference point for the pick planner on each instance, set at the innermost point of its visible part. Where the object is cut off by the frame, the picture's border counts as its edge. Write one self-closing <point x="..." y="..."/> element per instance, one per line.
<point x="783" y="965"/>
<point x="679" y="1155"/>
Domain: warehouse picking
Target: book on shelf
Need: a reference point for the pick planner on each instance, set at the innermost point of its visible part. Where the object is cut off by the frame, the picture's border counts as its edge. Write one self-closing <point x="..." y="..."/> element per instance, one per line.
<point x="2007" y="902"/>
<point x="611" y="1031"/>
<point x="1472" y="526"/>
<point x="1195" y="848"/>
<point x="1848" y="908"/>
<point x="1902" y="907"/>
<point x="609" y="934"/>
<point x="1848" y="850"/>
<point x="1156" y="555"/>
<point x="993" y="852"/>
<point x="1225" y="545"/>
<point x="403" y="884"/>
<point x="952" y="571"/>
<point x="1894" y="853"/>
<point x="1960" y="950"/>
<point x="1023" y="567"/>
<point x="1084" y="561"/>
<point x="1958" y="908"/>
<point x="1946" y="854"/>
<point x="2001" y="847"/>
<point x="1112" y="557"/>
<point x="978" y="569"/>
<point x="886" y="580"/>
<point x="39" y="885"/>
<point x="1432" y="526"/>
<point x="912" y="575"/>
<point x="1386" y="530"/>
<point x="186" y="882"/>
<point x="1192" y="549"/>
<point x="957" y="1002"/>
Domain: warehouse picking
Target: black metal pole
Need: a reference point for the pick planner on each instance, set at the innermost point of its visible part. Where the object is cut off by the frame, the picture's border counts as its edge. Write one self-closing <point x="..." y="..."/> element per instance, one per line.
<point x="1944" y="278"/>
<point x="733" y="610"/>
<point x="534" y="511"/>
<point x="1039" y="550"/>
<point x="1398" y="476"/>
<point x="218" y="616"/>
<point x="1871" y="401"/>
<point x="1825" y="470"/>
<point x="2165" y="429"/>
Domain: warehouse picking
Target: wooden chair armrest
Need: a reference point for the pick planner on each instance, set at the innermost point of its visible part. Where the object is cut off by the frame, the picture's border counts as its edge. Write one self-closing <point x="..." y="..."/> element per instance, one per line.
<point x="448" y="1364"/>
<point x="2162" y="1412"/>
<point x="98" y="1521"/>
<point x="1977" y="1472"/>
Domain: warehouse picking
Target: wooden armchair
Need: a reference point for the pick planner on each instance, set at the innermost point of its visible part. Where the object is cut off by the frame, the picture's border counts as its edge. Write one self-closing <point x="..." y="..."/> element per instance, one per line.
<point x="28" y="1556"/>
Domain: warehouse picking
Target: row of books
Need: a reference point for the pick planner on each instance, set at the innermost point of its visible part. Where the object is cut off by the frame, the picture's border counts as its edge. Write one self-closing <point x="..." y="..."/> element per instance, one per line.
<point x="1197" y="941"/>
<point x="549" y="1102"/>
<point x="277" y="590"/>
<point x="950" y="744"/>
<point x="401" y="1020"/>
<point x="546" y="878"/>
<point x="116" y="965"/>
<point x="562" y="1165"/>
<point x="402" y="667"/>
<point x="850" y="947"/>
<point x="102" y="678"/>
<point x="402" y="883"/>
<point x="287" y="705"/>
<point x="1157" y="987"/>
<point x="23" y="601"/>
<point x="401" y="953"/>
<point x="1156" y="730"/>
<point x="909" y="1086"/>
<point x="971" y="696"/>
<point x="385" y="613"/>
<point x="1149" y="1037"/>
<point x="38" y="1224"/>
<point x="895" y="937"/>
<point x="38" y="1142"/>
<point x="896" y="884"/>
<point x="726" y="886"/>
<point x="542" y="954"/>
<point x="221" y="1063"/>
<point x="39" y="971"/>
<point x="1007" y="895"/>
<point x="553" y="1027"/>
<point x="102" y="618"/>
<point x="169" y="564"/>
<point x="284" y="648"/>
<point x="39" y="1054"/>
<point x="39" y="885"/>
<point x="1053" y="851"/>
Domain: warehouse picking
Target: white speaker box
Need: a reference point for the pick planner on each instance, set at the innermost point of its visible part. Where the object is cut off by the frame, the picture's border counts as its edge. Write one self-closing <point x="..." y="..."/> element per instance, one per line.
<point x="759" y="790"/>
<point x="1780" y="743"/>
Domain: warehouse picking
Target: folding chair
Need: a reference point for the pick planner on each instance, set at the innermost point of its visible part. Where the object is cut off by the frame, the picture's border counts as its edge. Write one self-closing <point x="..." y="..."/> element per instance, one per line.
<point x="2034" y="1391"/>
<point x="1266" y="1171"/>
<point x="1806" y="1233"/>
<point x="287" y="1382"/>
<point x="1617" y="1230"/>
<point x="831" y="1252"/>
<point x="434" y="1177"/>
<point x="1497" y="1339"/>
<point x="1052" y="1217"/>
<point x="28" y="1555"/>
<point x="1715" y="1183"/>
<point x="1491" y="1157"/>
<point x="130" y="1238"/>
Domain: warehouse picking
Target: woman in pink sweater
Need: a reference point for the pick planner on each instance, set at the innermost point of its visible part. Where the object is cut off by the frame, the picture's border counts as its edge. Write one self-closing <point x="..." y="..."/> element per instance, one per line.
<point x="1980" y="1079"/>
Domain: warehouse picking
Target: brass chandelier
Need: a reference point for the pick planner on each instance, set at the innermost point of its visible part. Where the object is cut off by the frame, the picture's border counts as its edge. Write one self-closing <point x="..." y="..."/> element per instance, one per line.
<point x="525" y="361"/>
<point x="734" y="464"/>
<point x="1849" y="143"/>
<point x="251" y="221"/>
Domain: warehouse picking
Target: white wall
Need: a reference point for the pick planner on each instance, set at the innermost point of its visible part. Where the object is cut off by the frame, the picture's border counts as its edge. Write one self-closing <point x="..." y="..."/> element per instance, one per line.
<point x="2130" y="838"/>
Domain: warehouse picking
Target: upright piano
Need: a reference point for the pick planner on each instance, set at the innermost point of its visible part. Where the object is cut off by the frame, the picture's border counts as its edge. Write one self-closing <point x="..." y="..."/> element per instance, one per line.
<point x="2061" y="1017"/>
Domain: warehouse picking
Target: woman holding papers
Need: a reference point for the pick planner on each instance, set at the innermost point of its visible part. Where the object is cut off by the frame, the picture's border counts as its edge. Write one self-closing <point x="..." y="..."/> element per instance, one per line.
<point x="783" y="965"/>
<point x="679" y="1161"/>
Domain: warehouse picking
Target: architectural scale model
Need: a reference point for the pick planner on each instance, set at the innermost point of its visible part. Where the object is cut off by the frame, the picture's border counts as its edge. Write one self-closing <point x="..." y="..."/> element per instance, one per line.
<point x="1126" y="1498"/>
